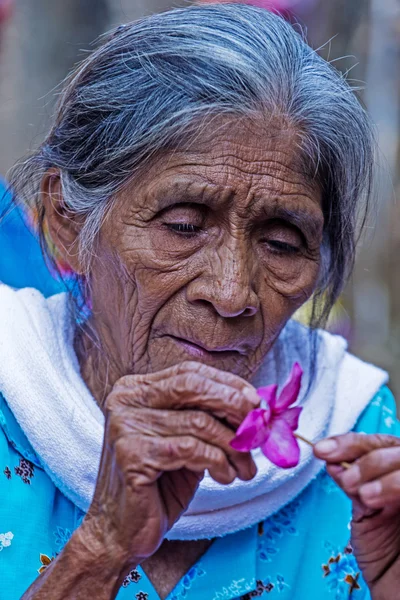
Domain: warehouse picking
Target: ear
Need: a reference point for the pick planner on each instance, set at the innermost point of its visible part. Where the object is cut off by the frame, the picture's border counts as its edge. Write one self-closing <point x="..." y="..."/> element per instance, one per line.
<point x="62" y="224"/>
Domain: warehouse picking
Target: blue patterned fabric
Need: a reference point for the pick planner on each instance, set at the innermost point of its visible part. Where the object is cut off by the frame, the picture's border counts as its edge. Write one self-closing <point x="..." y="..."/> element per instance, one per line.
<point x="21" y="260"/>
<point x="302" y="552"/>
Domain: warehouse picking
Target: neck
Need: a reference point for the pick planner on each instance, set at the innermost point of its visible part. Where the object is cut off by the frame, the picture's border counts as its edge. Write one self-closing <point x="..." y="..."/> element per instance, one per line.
<point x="171" y="562"/>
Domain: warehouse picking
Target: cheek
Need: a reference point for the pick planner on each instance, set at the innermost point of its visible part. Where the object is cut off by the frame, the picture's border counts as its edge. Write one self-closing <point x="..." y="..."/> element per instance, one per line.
<point x="156" y="273"/>
<point x="112" y="293"/>
<point x="284" y="288"/>
<point x="156" y="286"/>
<point x="293" y="278"/>
<point x="135" y="272"/>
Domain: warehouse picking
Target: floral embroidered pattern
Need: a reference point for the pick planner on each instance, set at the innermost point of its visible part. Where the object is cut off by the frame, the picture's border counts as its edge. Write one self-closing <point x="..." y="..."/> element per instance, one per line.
<point x="62" y="536"/>
<point x="142" y="596"/>
<point x="388" y="420"/>
<point x="238" y="588"/>
<point x="273" y="530"/>
<point x="265" y="587"/>
<point x="133" y="577"/>
<point x="46" y="561"/>
<point x="377" y="401"/>
<point x="25" y="470"/>
<point x="5" y="540"/>
<point x="185" y="584"/>
<point x="342" y="573"/>
<point x="259" y="591"/>
<point x="7" y="472"/>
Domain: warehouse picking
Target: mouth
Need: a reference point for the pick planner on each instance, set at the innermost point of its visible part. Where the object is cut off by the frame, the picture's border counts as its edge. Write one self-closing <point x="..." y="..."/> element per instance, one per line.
<point x="202" y="352"/>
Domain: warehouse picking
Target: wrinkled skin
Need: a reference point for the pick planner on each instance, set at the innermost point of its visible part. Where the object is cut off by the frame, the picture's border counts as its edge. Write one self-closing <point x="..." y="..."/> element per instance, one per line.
<point x="201" y="260"/>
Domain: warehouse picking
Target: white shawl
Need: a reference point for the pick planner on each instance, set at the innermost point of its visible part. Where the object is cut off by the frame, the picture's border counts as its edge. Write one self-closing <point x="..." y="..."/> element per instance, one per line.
<point x="41" y="382"/>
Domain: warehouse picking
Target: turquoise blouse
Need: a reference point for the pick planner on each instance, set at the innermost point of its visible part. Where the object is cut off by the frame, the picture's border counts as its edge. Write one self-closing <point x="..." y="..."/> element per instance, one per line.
<point x="302" y="552"/>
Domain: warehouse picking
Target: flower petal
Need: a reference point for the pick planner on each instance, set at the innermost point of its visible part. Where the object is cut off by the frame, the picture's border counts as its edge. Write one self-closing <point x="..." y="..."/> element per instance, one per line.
<point x="252" y="431"/>
<point x="291" y="390"/>
<point x="255" y="418"/>
<point x="281" y="447"/>
<point x="291" y="416"/>
<point x="268" y="394"/>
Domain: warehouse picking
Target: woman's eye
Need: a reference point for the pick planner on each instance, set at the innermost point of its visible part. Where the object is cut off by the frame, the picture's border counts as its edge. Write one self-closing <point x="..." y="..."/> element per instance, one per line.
<point x="283" y="247"/>
<point x="283" y="239"/>
<point x="187" y="228"/>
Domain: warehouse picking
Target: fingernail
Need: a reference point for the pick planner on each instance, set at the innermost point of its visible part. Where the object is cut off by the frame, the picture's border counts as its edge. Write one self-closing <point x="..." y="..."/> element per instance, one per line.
<point x="351" y="477"/>
<point x="326" y="446"/>
<point x="251" y="395"/>
<point x="371" y="490"/>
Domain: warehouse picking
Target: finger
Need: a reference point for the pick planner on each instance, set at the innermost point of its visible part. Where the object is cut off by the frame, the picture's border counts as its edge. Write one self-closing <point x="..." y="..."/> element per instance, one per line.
<point x="382" y="492"/>
<point x="335" y="471"/>
<point x="371" y="466"/>
<point x="188" y="367"/>
<point x="143" y="459"/>
<point x="219" y="376"/>
<point x="359" y="510"/>
<point x="200" y="425"/>
<point x="351" y="446"/>
<point x="206" y="428"/>
<point x="186" y="391"/>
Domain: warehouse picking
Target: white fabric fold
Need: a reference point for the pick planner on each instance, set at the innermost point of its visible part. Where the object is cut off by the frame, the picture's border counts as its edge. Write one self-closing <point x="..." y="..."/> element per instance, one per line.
<point x="41" y="382"/>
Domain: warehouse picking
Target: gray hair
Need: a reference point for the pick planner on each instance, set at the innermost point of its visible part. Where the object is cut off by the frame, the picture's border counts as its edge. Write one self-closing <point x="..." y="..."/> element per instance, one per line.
<point x="151" y="80"/>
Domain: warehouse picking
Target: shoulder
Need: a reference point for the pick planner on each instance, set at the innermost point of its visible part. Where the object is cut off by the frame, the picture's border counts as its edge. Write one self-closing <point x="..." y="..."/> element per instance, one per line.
<point x="380" y="416"/>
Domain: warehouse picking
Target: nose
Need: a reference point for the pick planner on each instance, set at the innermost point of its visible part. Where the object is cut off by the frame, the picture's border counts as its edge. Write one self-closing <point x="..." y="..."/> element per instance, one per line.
<point x="226" y="284"/>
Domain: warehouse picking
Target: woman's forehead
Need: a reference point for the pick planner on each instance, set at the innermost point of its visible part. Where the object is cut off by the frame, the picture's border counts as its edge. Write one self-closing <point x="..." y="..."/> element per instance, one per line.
<point x="233" y="162"/>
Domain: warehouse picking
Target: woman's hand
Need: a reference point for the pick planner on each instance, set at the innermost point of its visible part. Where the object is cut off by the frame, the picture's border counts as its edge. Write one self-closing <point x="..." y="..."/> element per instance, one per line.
<point x="162" y="432"/>
<point x="373" y="484"/>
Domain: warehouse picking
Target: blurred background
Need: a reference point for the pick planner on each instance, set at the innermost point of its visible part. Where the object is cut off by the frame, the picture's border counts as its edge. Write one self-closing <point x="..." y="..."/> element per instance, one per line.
<point x="40" y="40"/>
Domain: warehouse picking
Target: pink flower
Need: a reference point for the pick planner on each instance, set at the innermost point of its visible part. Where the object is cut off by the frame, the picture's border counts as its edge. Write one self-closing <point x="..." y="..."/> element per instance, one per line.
<point x="271" y="427"/>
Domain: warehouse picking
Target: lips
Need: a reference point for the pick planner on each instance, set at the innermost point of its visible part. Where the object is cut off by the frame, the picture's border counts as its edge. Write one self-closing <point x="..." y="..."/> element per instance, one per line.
<point x="200" y="348"/>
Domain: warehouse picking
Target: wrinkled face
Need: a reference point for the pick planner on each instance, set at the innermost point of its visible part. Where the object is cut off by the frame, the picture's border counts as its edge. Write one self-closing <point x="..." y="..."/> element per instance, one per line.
<point x="209" y="255"/>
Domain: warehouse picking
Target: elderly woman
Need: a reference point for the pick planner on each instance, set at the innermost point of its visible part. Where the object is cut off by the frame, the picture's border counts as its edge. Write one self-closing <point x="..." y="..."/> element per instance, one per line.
<point x="202" y="180"/>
